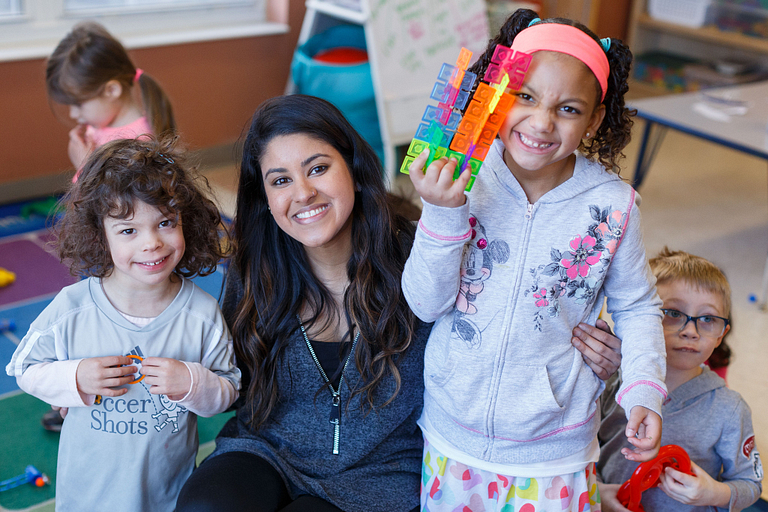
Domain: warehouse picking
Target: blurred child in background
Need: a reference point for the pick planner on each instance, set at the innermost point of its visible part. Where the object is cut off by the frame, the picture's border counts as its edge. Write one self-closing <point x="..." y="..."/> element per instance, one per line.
<point x="91" y="72"/>
<point x="711" y="422"/>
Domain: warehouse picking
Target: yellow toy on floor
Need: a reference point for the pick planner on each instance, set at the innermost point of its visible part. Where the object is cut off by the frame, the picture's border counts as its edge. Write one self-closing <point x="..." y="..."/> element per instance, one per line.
<point x="6" y="277"/>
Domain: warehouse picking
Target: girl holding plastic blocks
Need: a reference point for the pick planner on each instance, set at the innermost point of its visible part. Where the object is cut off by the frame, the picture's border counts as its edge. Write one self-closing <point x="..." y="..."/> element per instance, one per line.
<point x="547" y="232"/>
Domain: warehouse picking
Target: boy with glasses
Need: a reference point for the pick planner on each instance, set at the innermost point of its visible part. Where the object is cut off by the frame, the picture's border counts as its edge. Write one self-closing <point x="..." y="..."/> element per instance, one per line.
<point x="711" y="422"/>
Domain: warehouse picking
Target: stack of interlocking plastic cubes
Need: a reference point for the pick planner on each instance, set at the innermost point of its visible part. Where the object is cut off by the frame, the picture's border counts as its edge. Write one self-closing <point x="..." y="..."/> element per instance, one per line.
<point x="445" y="132"/>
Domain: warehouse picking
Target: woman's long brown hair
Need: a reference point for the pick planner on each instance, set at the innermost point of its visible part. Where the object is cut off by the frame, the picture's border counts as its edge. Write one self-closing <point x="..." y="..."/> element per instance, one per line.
<point x="275" y="276"/>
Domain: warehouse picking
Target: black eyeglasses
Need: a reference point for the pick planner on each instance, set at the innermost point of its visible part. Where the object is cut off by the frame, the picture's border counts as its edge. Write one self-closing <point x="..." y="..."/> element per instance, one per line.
<point x="706" y="325"/>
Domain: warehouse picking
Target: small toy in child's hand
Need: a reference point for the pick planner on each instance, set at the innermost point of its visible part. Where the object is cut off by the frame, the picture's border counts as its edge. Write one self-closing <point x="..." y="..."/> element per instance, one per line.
<point x="138" y="360"/>
<point x="6" y="277"/>
<point x="647" y="475"/>
<point x="31" y="476"/>
<point x="446" y="133"/>
<point x="139" y="376"/>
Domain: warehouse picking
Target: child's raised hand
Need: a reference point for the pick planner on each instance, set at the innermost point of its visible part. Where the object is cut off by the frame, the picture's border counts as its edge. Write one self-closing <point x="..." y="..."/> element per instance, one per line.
<point x="101" y="375"/>
<point x="699" y="489"/>
<point x="166" y="376"/>
<point x="436" y="186"/>
<point x="644" y="433"/>
<point x="80" y="147"/>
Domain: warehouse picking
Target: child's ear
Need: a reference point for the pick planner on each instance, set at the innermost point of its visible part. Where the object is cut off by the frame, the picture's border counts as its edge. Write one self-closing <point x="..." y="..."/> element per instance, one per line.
<point x="597" y="119"/>
<point x="113" y="90"/>
<point x="720" y="339"/>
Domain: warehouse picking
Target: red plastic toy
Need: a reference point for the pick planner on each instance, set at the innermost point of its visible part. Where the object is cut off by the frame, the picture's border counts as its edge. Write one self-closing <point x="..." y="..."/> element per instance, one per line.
<point x="647" y="475"/>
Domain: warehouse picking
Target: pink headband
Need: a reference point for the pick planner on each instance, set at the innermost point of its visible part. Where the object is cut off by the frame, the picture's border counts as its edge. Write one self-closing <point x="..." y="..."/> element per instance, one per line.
<point x="138" y="74"/>
<point x="555" y="37"/>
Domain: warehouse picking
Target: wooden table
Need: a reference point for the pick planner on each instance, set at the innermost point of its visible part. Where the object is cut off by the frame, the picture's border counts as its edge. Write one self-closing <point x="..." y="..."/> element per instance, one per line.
<point x="703" y="114"/>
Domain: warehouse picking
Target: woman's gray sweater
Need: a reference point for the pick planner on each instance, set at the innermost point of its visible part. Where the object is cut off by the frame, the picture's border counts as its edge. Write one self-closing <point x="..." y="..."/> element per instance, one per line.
<point x="379" y="462"/>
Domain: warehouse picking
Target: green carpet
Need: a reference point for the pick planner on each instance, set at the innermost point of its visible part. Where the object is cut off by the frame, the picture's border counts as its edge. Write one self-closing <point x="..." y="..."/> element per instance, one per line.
<point x="23" y="441"/>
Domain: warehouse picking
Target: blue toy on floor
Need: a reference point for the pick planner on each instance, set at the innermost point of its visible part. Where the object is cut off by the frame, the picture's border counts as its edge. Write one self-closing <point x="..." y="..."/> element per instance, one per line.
<point x="31" y="476"/>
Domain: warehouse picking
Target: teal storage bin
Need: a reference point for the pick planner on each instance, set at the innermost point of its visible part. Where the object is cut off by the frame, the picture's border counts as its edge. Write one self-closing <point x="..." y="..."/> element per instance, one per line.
<point x="348" y="86"/>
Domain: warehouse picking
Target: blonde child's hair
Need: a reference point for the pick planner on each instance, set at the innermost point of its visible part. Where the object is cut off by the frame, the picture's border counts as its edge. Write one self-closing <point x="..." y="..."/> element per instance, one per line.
<point x="698" y="272"/>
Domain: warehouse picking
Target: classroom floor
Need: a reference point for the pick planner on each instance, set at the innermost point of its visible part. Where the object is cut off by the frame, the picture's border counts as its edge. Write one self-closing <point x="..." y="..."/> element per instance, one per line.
<point x="701" y="198"/>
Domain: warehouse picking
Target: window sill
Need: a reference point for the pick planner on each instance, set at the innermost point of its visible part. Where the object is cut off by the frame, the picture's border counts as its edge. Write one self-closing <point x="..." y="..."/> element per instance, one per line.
<point x="41" y="49"/>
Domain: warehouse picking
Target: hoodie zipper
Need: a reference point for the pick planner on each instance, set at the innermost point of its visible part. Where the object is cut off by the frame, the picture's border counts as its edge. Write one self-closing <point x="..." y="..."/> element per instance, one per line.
<point x="529" y="211"/>
<point x="335" y="417"/>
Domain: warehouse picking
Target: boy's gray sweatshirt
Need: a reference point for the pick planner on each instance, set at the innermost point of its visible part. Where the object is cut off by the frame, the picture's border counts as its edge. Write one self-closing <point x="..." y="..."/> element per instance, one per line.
<point x="131" y="452"/>
<point x="506" y="282"/>
<point x="709" y="421"/>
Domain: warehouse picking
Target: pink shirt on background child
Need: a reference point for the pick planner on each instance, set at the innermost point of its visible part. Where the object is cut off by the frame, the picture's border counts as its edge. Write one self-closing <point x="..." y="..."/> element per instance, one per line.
<point x="100" y="136"/>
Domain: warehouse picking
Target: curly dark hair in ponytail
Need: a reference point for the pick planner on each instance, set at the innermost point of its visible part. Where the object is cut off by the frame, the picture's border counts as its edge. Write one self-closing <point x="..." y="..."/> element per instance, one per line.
<point x="614" y="133"/>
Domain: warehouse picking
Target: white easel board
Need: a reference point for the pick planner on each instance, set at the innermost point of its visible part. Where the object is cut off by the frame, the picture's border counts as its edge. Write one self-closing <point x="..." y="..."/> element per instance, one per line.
<point x="407" y="42"/>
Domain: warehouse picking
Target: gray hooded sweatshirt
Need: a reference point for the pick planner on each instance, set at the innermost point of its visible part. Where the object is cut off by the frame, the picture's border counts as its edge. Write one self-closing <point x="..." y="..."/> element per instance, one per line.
<point x="709" y="421"/>
<point x="505" y="282"/>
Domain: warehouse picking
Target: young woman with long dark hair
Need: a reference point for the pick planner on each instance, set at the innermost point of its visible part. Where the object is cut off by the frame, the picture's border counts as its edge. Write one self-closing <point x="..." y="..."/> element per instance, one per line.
<point x="332" y="355"/>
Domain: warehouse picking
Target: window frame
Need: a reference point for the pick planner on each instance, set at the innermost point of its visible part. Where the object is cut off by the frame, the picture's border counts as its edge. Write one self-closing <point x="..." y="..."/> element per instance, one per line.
<point x="36" y="33"/>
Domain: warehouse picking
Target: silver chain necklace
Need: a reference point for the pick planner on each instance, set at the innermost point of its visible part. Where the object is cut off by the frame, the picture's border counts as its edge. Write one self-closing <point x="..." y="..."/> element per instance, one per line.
<point x="335" y="418"/>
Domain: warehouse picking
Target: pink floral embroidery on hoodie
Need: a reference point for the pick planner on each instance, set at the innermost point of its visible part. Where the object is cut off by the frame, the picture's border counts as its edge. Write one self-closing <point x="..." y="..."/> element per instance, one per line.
<point x="582" y="257"/>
